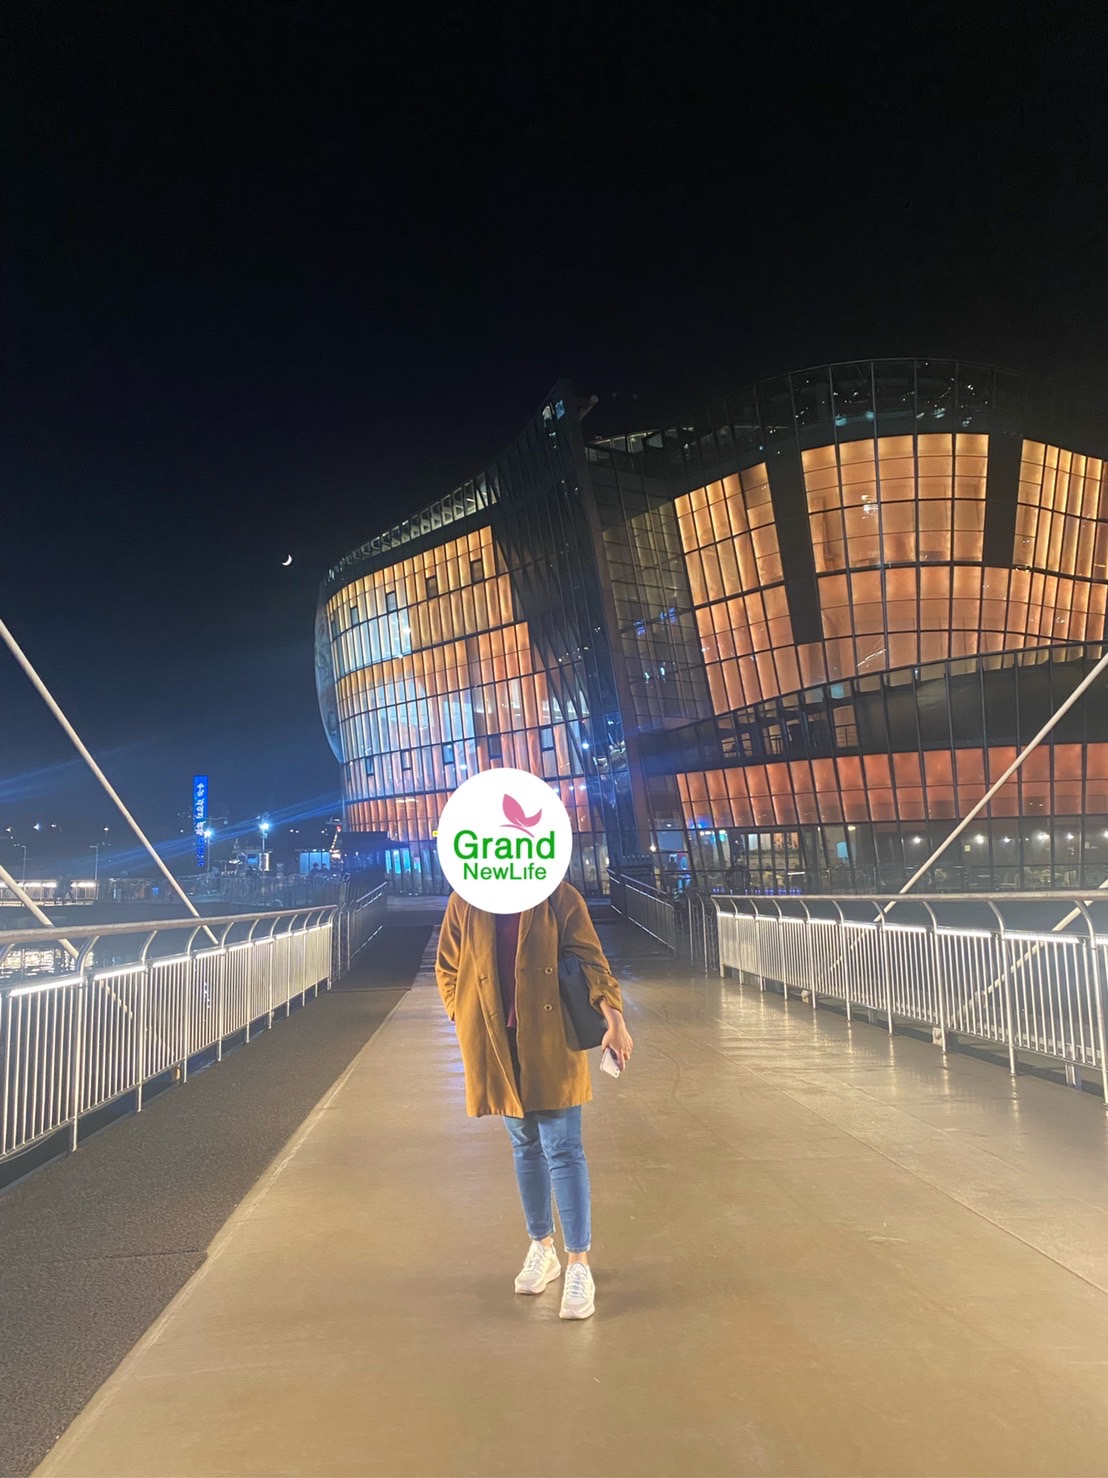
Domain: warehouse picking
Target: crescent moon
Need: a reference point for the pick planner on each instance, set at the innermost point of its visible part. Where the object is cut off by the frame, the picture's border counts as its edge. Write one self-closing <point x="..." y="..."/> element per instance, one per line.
<point x="287" y="562"/>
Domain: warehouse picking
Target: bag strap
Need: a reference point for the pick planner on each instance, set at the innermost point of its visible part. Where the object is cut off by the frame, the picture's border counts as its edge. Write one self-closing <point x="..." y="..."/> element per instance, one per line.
<point x="559" y="914"/>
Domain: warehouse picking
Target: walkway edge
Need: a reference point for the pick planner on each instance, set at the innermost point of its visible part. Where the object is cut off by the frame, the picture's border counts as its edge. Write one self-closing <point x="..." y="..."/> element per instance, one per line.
<point x="91" y="1413"/>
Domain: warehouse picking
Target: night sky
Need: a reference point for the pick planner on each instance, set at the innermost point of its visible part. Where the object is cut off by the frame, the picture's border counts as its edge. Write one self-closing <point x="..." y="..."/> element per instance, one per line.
<point x="274" y="276"/>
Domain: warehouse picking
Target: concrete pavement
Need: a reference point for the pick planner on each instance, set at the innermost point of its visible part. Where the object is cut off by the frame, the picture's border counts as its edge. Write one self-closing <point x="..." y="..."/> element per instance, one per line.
<point x="817" y="1251"/>
<point x="94" y="1245"/>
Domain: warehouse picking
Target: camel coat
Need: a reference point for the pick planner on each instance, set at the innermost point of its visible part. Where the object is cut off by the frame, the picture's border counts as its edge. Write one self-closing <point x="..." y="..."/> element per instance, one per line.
<point x="553" y="1074"/>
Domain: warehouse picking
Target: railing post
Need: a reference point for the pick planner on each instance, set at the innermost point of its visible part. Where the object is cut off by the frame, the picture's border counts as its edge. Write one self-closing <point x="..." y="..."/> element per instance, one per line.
<point x="781" y="947"/>
<point x="5" y="1063"/>
<point x="190" y="1007"/>
<point x="222" y="1026"/>
<point x="706" y="919"/>
<point x="78" y="1049"/>
<point x="251" y="971"/>
<point x="1006" y="999"/>
<point x="939" y="1031"/>
<point x="270" y="967"/>
<point x="842" y="961"/>
<point x="140" y="1038"/>
<point x="884" y="952"/>
<point x="144" y="1003"/>
<point x="1096" y="982"/>
<point x="1100" y="985"/>
<point x="809" y="953"/>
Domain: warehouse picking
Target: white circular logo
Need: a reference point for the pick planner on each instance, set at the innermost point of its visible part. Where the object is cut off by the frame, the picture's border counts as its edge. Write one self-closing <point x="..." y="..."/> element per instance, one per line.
<point x="504" y="840"/>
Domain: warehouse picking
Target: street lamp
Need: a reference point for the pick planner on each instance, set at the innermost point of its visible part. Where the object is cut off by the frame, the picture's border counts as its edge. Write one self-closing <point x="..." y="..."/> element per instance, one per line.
<point x="263" y="827"/>
<point x="207" y="848"/>
<point x="95" y="849"/>
<point x="23" y="849"/>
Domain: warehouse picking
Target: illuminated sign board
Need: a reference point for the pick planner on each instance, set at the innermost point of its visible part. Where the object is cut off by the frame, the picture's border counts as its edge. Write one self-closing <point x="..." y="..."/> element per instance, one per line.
<point x="200" y="817"/>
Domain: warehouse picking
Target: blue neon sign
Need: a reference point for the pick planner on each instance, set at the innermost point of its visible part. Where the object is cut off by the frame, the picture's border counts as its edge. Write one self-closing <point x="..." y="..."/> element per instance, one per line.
<point x="200" y="817"/>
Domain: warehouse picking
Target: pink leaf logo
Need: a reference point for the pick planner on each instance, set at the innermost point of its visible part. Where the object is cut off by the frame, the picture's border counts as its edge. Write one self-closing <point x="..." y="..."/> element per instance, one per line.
<point x="516" y="819"/>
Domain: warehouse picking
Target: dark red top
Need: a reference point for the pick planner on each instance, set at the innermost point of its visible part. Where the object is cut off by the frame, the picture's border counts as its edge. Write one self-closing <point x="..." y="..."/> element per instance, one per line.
<point x="507" y="942"/>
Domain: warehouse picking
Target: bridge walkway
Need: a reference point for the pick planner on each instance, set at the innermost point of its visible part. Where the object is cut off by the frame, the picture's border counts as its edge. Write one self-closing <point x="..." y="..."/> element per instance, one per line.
<point x="818" y="1250"/>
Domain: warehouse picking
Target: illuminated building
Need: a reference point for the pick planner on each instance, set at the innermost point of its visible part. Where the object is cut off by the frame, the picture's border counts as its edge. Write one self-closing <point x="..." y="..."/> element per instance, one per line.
<point x="789" y="640"/>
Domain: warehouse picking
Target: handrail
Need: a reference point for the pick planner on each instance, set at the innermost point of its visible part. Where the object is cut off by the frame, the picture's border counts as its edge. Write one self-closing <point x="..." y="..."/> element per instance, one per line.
<point x="646" y="906"/>
<point x="73" y="1042"/>
<point x="1052" y="895"/>
<point x="138" y="926"/>
<point x="1027" y="987"/>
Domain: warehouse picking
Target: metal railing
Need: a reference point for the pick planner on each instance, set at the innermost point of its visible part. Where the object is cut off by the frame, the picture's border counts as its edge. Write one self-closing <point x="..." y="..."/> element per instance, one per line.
<point x="994" y="970"/>
<point x="648" y="907"/>
<point x="356" y="924"/>
<point x="51" y="890"/>
<point x="278" y="890"/>
<point x="145" y="999"/>
<point x="991" y="968"/>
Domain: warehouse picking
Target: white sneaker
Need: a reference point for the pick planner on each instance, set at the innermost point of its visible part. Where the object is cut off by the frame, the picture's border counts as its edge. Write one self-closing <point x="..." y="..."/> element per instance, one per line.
<point x="540" y="1267"/>
<point x="578" y="1293"/>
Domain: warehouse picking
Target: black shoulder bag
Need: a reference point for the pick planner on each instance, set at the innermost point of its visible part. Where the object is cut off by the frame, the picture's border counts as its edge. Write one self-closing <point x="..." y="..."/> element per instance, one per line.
<point x="587" y="1022"/>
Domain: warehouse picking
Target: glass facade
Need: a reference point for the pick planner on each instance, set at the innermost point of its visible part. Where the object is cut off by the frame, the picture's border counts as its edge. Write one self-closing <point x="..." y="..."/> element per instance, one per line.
<point x="781" y="646"/>
<point x="457" y="644"/>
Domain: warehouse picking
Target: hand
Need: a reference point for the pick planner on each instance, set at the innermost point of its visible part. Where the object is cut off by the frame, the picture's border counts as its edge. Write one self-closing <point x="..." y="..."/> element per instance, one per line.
<point x="618" y="1038"/>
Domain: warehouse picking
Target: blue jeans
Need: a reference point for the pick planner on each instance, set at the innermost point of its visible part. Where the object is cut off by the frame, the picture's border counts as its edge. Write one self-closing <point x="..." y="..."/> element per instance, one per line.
<point x="549" y="1156"/>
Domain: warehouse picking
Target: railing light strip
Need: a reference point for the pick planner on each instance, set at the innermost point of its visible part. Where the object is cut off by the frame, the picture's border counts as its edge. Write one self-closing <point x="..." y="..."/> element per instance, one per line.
<point x="51" y="983"/>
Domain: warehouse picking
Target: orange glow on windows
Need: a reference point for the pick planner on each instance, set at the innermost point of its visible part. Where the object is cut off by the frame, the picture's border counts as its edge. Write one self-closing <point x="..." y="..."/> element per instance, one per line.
<point x="791" y="792"/>
<point x="897" y="530"/>
<point x="430" y="661"/>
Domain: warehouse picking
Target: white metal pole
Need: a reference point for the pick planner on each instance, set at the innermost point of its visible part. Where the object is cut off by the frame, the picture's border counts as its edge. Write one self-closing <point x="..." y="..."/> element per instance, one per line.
<point x="1085" y="683"/>
<point x="48" y="698"/>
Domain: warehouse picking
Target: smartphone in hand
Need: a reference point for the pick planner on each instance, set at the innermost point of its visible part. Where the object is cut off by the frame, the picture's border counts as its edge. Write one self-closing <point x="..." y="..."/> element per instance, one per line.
<point x="609" y="1063"/>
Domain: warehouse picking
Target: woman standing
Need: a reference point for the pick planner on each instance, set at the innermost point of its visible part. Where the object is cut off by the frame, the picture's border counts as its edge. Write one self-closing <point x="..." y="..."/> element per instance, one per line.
<point x="498" y="978"/>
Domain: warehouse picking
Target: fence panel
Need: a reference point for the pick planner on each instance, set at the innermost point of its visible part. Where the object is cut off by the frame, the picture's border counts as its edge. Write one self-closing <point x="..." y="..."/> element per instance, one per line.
<point x="970" y="984"/>
<point x="72" y="1043"/>
<point x="39" y="1026"/>
<point x="1053" y="998"/>
<point x="1037" y="992"/>
<point x="910" y="970"/>
<point x="649" y="908"/>
<point x="110" y="1035"/>
<point x="236" y="991"/>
